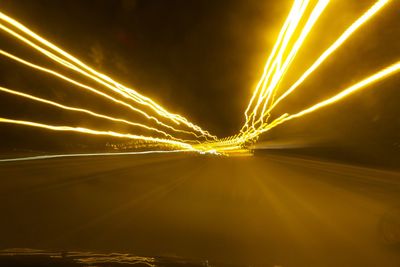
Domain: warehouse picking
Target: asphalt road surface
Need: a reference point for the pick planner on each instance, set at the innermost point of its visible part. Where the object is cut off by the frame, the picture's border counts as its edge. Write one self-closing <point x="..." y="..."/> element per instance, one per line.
<point x="265" y="210"/>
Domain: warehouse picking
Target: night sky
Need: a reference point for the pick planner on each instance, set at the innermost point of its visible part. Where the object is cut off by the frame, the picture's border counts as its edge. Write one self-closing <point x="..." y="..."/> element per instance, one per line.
<point x="203" y="58"/>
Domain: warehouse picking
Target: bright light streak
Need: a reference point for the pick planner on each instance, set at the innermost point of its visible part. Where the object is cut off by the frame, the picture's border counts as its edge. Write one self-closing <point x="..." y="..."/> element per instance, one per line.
<point x="95" y="91"/>
<point x="343" y="94"/>
<point x="82" y="68"/>
<point x="257" y="112"/>
<point x="319" y="8"/>
<point x="86" y="111"/>
<point x="172" y="143"/>
<point x="252" y="127"/>
<point x="359" y="86"/>
<point x="281" y="64"/>
<point x="276" y="66"/>
<point x="294" y="9"/>
<point x="346" y="34"/>
<point x="283" y="39"/>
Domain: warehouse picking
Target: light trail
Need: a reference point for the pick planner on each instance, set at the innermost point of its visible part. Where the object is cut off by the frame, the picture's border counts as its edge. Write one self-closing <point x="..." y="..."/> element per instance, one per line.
<point x="249" y="132"/>
<point x="98" y="77"/>
<point x="275" y="68"/>
<point x="393" y="69"/>
<point x="92" y="155"/>
<point x="237" y="142"/>
<point x="90" y="88"/>
<point x="290" y="40"/>
<point x="337" y="44"/>
<point x="83" y="130"/>
<point x="93" y="90"/>
<point x="281" y="64"/>
<point x="271" y="62"/>
<point x="271" y="57"/>
<point x="316" y="13"/>
<point x="89" y="112"/>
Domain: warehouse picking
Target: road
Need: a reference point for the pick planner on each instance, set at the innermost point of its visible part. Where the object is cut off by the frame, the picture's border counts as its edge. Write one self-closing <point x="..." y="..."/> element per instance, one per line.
<point x="265" y="210"/>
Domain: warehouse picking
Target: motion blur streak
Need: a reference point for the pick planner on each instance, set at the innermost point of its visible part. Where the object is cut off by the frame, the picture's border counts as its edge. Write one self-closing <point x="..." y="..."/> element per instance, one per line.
<point x="281" y="64"/>
<point x="343" y="94"/>
<point x="99" y="77"/>
<point x="365" y="17"/>
<point x="58" y="75"/>
<point x="92" y="155"/>
<point x="237" y="142"/>
<point x="86" y="111"/>
<point x="171" y="143"/>
<point x="347" y="33"/>
<point x="294" y="21"/>
<point x="270" y="58"/>
<point x="277" y="62"/>
<point x="302" y="17"/>
<point x="304" y="33"/>
<point x="252" y="128"/>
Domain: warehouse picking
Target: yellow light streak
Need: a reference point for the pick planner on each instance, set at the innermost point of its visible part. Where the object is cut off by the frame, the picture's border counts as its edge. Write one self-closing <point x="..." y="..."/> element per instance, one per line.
<point x="237" y="142"/>
<point x="262" y="101"/>
<point x="83" y="130"/>
<point x="278" y="60"/>
<point x="281" y="35"/>
<point x="86" y="111"/>
<point x="286" y="33"/>
<point x="93" y="90"/>
<point x="346" y="34"/>
<point x="251" y="132"/>
<point x="96" y="76"/>
<point x="317" y="11"/>
<point x="343" y="94"/>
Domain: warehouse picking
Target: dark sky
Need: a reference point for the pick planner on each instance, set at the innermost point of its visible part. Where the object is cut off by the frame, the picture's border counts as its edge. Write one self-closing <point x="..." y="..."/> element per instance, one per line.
<point x="202" y="58"/>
